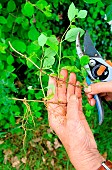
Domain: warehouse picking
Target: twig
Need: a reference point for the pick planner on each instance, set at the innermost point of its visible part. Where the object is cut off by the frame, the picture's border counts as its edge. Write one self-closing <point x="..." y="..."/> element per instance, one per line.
<point x="27" y="100"/>
<point x="27" y="58"/>
<point x="57" y="78"/>
<point x="40" y="75"/>
<point x="60" y="47"/>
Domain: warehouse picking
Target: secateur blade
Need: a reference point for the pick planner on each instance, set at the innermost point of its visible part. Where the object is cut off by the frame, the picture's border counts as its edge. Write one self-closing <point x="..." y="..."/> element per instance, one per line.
<point x="89" y="48"/>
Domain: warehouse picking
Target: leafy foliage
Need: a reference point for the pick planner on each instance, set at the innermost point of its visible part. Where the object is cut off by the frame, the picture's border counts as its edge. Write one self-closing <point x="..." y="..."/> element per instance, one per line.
<point x="34" y="43"/>
<point x="108" y="11"/>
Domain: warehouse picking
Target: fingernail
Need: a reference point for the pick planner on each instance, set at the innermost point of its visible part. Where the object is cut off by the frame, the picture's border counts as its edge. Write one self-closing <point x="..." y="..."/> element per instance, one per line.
<point x="88" y="89"/>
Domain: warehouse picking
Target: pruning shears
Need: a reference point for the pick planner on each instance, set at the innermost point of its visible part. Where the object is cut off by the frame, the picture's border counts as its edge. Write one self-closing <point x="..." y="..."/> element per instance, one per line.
<point x="97" y="68"/>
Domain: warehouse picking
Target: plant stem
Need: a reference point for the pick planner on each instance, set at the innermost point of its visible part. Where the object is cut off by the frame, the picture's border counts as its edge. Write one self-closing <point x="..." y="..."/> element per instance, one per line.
<point x="59" y="62"/>
<point x="60" y="48"/>
<point x="41" y="83"/>
<point x="40" y="76"/>
<point x="26" y="58"/>
<point x="27" y="100"/>
<point x="65" y="32"/>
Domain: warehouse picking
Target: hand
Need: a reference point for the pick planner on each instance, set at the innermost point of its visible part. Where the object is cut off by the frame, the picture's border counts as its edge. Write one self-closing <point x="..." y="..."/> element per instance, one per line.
<point x="66" y="118"/>
<point x="102" y="88"/>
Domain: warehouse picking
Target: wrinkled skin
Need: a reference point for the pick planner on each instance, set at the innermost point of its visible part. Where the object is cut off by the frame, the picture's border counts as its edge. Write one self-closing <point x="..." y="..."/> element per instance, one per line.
<point x="66" y="118"/>
<point x="104" y="89"/>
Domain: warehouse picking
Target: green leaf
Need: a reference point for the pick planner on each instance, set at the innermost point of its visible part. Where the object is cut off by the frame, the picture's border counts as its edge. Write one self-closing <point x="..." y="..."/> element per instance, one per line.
<point x="47" y="13"/>
<point x="42" y="39"/>
<point x="19" y="45"/>
<point x="84" y="60"/>
<point x="19" y="20"/>
<point x="39" y="95"/>
<point x="25" y="24"/>
<point x="49" y="61"/>
<point x="10" y="68"/>
<point x="88" y="113"/>
<point x="49" y="52"/>
<point x="32" y="57"/>
<point x="33" y="48"/>
<point x="1" y="116"/>
<point x="107" y="2"/>
<point x="53" y="43"/>
<point x="3" y="20"/>
<point x="12" y="120"/>
<point x="41" y="4"/>
<point x="10" y="59"/>
<point x="72" y="69"/>
<point x="38" y="114"/>
<point x="11" y="6"/>
<point x="15" y="108"/>
<point x="3" y="47"/>
<point x="72" y="34"/>
<point x="52" y="40"/>
<point x="33" y="34"/>
<point x="88" y="106"/>
<point x="10" y="21"/>
<point x="0" y="32"/>
<point x="71" y="11"/>
<point x="7" y="125"/>
<point x="109" y="13"/>
<point x="91" y="1"/>
<point x="82" y="14"/>
<point x="50" y="135"/>
<point x="28" y="9"/>
<point x="0" y="6"/>
<point x="84" y="72"/>
<point x="1" y="65"/>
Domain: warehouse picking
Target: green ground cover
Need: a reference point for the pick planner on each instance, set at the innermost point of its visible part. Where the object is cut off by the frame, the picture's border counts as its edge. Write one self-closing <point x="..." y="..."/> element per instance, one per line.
<point x="37" y="38"/>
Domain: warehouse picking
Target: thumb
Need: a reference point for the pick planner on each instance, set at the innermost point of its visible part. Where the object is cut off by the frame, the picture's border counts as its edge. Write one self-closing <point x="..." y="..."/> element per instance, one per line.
<point x="101" y="87"/>
<point x="73" y="108"/>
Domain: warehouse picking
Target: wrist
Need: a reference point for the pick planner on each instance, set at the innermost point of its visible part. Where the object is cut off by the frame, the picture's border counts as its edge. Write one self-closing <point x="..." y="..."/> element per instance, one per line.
<point x="89" y="160"/>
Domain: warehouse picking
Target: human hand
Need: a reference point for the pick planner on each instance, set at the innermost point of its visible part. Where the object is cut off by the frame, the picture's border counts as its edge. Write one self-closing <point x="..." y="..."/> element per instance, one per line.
<point x="102" y="88"/>
<point x="66" y="118"/>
